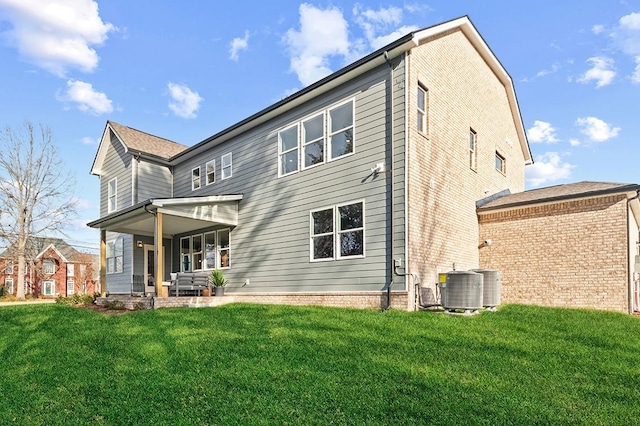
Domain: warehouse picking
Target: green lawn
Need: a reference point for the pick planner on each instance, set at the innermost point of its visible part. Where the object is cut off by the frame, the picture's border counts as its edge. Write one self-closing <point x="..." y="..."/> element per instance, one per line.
<point x="249" y="364"/>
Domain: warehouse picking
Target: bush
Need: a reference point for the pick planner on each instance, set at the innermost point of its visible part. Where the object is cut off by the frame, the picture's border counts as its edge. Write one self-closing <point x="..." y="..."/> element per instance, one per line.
<point x="76" y="299"/>
<point x="3" y="291"/>
<point x="115" y="305"/>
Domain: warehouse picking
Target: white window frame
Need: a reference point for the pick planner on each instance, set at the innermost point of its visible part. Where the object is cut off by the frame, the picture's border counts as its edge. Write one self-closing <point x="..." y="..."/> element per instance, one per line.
<point x="210" y="172"/>
<point x="46" y="263"/>
<point x="71" y="286"/>
<point x="336" y="232"/>
<point x="304" y="144"/>
<point x="196" y="180"/>
<point x="473" y="149"/>
<point x="8" y="268"/>
<point x="8" y="284"/>
<point x="282" y="153"/>
<point x="226" y="169"/>
<point x="115" y="256"/>
<point x="187" y="254"/>
<point x="112" y="195"/>
<point x="331" y="134"/>
<point x="210" y="250"/>
<point x="503" y="162"/>
<point x="71" y="269"/>
<point x="422" y="110"/>
<point x="220" y="249"/>
<point x="51" y="284"/>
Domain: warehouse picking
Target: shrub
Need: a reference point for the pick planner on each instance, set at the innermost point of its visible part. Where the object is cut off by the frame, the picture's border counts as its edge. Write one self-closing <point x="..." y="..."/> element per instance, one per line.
<point x="115" y="305"/>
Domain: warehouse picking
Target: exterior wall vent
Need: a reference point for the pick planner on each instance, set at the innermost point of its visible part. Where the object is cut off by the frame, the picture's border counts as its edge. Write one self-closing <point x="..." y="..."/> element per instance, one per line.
<point x="463" y="290"/>
<point x="490" y="287"/>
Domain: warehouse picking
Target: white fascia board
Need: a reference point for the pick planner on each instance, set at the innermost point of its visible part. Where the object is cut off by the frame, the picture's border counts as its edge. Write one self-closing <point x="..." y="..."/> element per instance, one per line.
<point x="105" y="141"/>
<point x="167" y="202"/>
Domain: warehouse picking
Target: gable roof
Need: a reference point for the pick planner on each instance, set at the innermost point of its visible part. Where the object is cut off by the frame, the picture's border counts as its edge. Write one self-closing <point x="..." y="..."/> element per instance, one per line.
<point x="569" y="191"/>
<point x="37" y="246"/>
<point x="135" y="142"/>
<point x="375" y="59"/>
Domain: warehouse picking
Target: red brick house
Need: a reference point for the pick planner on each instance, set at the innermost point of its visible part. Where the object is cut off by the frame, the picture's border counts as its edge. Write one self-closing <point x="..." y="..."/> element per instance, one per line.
<point x="53" y="268"/>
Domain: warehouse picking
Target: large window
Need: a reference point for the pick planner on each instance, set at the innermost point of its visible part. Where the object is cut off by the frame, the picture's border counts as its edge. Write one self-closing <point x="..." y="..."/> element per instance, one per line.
<point x="112" y="195"/>
<point x="421" y="106"/>
<point x="48" y="266"/>
<point x="324" y="136"/>
<point x="210" y="250"/>
<point x="8" y="285"/>
<point x="71" y="286"/>
<point x="337" y="232"/>
<point x="195" y="178"/>
<point x="227" y="164"/>
<point x="48" y="288"/>
<point x="473" y="146"/>
<point x="211" y="171"/>
<point x="115" y="256"/>
<point x="70" y="269"/>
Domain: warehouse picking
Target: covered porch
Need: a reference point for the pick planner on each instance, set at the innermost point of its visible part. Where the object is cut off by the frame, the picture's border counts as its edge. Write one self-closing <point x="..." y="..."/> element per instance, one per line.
<point x="159" y="219"/>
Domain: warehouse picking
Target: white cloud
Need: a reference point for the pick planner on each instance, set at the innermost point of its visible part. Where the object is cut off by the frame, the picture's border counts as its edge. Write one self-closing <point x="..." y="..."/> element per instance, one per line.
<point x="575" y="142"/>
<point x="597" y="29"/>
<point x="323" y="33"/>
<point x="554" y="68"/>
<point x="185" y="101"/>
<point x="56" y="34"/>
<point x="597" y="130"/>
<point x="548" y="168"/>
<point x="602" y="71"/>
<point x="380" y="26"/>
<point x="237" y="45"/>
<point x="542" y="132"/>
<point x="87" y="99"/>
<point x="627" y="34"/>
<point x="635" y="77"/>
<point x="87" y="140"/>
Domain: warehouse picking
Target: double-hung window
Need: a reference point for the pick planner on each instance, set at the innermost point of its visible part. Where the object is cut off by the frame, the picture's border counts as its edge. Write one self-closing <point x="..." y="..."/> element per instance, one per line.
<point x="337" y="232"/>
<point x="288" y="150"/>
<point x="341" y="130"/>
<point x="195" y="178"/>
<point x="115" y="256"/>
<point x="8" y="267"/>
<point x="8" y="285"/>
<point x="473" y="146"/>
<point x="421" y="106"/>
<point x="210" y="170"/>
<point x="313" y="140"/>
<point x="112" y="195"/>
<point x="501" y="163"/>
<point x="71" y="269"/>
<point x="48" y="287"/>
<point x="71" y="286"/>
<point x="226" y="166"/>
<point x="48" y="266"/>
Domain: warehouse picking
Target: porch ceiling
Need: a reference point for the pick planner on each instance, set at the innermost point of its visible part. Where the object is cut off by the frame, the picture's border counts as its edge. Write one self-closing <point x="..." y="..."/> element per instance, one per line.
<point x="180" y="215"/>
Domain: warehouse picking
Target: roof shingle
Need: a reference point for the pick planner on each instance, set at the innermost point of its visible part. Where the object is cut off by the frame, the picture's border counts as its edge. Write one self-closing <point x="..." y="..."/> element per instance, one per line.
<point x="136" y="140"/>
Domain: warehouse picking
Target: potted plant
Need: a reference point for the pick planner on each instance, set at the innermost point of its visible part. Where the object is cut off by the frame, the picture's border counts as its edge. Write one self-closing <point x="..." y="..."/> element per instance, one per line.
<point x="218" y="280"/>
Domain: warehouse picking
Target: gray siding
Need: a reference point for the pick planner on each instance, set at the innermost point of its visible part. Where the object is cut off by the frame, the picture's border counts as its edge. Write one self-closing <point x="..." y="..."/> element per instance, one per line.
<point x="271" y="244"/>
<point x="154" y="181"/>
<point x="117" y="164"/>
<point x="120" y="283"/>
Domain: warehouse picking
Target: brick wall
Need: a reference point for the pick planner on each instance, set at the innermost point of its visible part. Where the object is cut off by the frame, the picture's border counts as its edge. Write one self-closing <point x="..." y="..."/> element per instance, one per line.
<point x="463" y="94"/>
<point x="564" y="254"/>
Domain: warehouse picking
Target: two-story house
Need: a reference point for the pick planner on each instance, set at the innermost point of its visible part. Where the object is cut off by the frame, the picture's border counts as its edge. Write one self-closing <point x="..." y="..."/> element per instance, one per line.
<point x="350" y="192"/>
<point x="53" y="268"/>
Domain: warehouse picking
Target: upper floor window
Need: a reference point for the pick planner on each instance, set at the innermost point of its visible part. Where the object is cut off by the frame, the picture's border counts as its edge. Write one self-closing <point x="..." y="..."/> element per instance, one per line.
<point x="210" y="170"/>
<point x="195" y="178"/>
<point x="115" y="256"/>
<point x="48" y="266"/>
<point x="337" y="232"/>
<point x="112" y="194"/>
<point x="501" y="163"/>
<point x="473" y="145"/>
<point x="83" y="271"/>
<point x="8" y="267"/>
<point x="70" y="269"/>
<point x="321" y="137"/>
<point x="421" y="107"/>
<point x="226" y="166"/>
<point x="341" y="130"/>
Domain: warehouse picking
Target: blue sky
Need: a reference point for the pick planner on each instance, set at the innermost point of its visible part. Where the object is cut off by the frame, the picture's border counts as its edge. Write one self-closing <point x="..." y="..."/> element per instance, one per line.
<point x="184" y="70"/>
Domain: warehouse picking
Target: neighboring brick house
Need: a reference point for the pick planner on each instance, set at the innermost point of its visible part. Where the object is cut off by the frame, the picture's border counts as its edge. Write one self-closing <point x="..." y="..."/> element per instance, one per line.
<point x="350" y="192"/>
<point x="53" y="268"/>
<point x="571" y="245"/>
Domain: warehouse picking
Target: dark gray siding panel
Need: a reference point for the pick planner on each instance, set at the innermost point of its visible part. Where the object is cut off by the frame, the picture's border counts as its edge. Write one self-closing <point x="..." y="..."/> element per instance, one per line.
<point x="117" y="164"/>
<point x="271" y="245"/>
<point x="154" y="181"/>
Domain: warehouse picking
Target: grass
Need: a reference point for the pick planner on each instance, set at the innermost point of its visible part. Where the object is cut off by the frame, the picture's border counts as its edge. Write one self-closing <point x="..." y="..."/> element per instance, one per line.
<point x="250" y="364"/>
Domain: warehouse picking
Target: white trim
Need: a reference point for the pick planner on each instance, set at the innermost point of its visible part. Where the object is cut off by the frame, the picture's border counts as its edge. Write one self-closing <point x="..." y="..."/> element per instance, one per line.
<point x="301" y="140"/>
<point x="333" y="234"/>
<point x="53" y="283"/>
<point x="167" y="202"/>
<point x="297" y="149"/>
<point x="193" y="181"/>
<point x="338" y="231"/>
<point x="222" y="166"/>
<point x="206" y="172"/>
<point x="353" y="128"/>
<point x="114" y="195"/>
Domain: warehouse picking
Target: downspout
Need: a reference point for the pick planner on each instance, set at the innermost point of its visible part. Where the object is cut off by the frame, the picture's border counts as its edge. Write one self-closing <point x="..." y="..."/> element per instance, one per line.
<point x="392" y="186"/>
<point x="629" y="270"/>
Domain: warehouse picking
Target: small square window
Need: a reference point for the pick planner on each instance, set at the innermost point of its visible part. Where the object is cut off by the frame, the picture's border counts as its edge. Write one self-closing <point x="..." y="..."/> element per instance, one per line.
<point x="501" y="163"/>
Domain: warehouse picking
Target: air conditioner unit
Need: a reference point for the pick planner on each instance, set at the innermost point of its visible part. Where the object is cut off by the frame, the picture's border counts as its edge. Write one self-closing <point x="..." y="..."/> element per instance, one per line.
<point x="490" y="287"/>
<point x="463" y="290"/>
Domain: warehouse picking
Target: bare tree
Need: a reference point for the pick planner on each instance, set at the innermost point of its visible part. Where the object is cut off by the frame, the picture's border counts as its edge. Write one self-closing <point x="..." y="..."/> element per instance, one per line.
<point x="36" y="191"/>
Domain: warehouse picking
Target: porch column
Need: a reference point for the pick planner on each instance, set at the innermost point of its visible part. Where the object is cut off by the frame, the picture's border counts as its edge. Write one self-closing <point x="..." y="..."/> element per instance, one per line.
<point x="159" y="254"/>
<point x="103" y="263"/>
